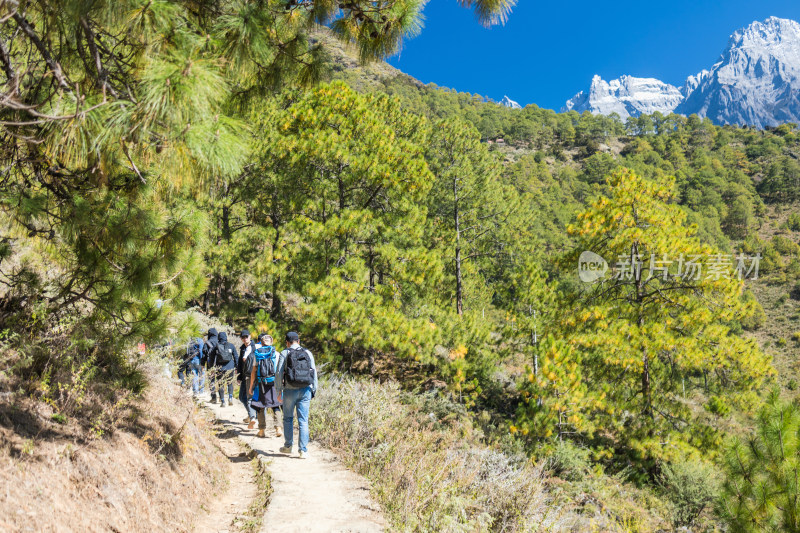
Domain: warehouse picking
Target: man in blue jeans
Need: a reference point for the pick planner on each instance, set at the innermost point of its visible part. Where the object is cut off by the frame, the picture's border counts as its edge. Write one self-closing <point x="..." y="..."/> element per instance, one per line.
<point x="296" y="383"/>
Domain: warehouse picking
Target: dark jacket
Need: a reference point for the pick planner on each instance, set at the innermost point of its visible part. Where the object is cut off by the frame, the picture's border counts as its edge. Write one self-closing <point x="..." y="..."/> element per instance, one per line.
<point x="224" y="346"/>
<point x="208" y="348"/>
<point x="242" y="369"/>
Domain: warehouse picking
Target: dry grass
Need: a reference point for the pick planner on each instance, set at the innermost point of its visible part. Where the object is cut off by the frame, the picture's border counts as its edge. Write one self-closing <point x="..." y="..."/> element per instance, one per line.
<point x="153" y="471"/>
<point x="428" y="477"/>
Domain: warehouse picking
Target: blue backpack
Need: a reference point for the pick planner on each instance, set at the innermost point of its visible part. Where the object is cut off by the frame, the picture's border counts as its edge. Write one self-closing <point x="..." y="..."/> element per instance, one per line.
<point x="265" y="369"/>
<point x="265" y="364"/>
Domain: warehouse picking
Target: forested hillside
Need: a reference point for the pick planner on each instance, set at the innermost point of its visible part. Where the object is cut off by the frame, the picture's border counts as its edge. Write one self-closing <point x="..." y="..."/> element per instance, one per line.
<point x="413" y="234"/>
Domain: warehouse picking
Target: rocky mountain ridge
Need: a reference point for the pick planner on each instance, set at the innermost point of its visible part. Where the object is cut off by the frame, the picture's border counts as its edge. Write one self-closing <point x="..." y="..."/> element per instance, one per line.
<point x="756" y="82"/>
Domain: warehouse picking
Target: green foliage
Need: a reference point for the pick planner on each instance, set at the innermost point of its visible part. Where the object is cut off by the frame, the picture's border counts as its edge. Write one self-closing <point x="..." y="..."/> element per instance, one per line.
<point x="761" y="489"/>
<point x="782" y="182"/>
<point x="570" y="462"/>
<point x="785" y="246"/>
<point x="692" y="486"/>
<point x="556" y="399"/>
<point x="793" y="222"/>
<point x="718" y="406"/>
<point x="468" y="209"/>
<point x="644" y="334"/>
<point x="755" y="320"/>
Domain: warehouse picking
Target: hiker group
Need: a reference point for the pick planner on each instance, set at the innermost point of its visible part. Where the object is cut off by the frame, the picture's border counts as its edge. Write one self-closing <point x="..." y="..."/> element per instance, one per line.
<point x="282" y="382"/>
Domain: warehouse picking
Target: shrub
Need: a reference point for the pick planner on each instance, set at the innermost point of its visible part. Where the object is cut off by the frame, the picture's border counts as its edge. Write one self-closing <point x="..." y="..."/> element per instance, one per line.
<point x="757" y="319"/>
<point x="785" y="246"/>
<point x="430" y="479"/>
<point x="793" y="223"/>
<point x="771" y="260"/>
<point x="570" y="462"/>
<point x="795" y="292"/>
<point x="781" y="342"/>
<point x="691" y="486"/>
<point x="717" y="406"/>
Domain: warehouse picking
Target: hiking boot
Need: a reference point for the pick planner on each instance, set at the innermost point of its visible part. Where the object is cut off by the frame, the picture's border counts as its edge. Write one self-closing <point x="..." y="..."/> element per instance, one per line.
<point x="303" y="455"/>
<point x="222" y="403"/>
<point x="246" y="420"/>
<point x="278" y="432"/>
<point x="252" y="424"/>
<point x="260" y="433"/>
<point x="285" y="449"/>
<point x="213" y="400"/>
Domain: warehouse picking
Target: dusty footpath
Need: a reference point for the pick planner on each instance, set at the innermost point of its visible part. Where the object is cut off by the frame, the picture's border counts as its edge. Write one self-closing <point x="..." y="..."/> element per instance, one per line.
<point x="317" y="494"/>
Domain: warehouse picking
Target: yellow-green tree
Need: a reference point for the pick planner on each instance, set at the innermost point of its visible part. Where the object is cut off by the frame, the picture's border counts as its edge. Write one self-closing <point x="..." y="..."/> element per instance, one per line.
<point x="555" y="398"/>
<point x="655" y="326"/>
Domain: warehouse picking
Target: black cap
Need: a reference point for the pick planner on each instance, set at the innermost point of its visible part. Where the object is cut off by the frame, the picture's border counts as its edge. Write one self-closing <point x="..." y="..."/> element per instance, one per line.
<point x="263" y="334"/>
<point x="245" y="333"/>
<point x="292" y="337"/>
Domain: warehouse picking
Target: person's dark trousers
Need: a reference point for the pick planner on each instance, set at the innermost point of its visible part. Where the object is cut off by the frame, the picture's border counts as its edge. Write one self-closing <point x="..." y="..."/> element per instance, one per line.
<point x="213" y="375"/>
<point x="224" y="382"/>
<point x="245" y="399"/>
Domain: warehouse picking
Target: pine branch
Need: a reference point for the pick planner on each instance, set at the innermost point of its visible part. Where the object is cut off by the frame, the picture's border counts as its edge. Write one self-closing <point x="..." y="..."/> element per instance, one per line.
<point x="55" y="66"/>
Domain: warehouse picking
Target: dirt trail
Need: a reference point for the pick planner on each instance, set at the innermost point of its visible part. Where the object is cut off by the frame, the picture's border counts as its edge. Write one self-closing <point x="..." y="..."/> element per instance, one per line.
<point x="317" y="494"/>
<point x="228" y="512"/>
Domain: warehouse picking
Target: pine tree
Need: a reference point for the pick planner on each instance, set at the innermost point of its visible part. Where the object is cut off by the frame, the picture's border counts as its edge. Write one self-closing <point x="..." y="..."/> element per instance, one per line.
<point x="761" y="491"/>
<point x="146" y="99"/>
<point x="349" y="178"/>
<point x="650" y="330"/>
<point x="466" y="206"/>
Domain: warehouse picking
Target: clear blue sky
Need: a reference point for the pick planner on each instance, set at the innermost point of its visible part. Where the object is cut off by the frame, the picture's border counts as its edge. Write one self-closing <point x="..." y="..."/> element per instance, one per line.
<point x="549" y="50"/>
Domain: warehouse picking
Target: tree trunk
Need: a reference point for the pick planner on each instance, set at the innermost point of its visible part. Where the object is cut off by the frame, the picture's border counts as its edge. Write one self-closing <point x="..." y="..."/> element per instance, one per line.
<point x="646" y="390"/>
<point x="371" y="266"/>
<point x="276" y="309"/>
<point x="459" y="288"/>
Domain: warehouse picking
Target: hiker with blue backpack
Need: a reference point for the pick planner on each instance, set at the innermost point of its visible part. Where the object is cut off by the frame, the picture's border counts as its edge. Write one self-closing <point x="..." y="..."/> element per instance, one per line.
<point x="261" y="385"/>
<point x="245" y="363"/>
<point x="296" y="384"/>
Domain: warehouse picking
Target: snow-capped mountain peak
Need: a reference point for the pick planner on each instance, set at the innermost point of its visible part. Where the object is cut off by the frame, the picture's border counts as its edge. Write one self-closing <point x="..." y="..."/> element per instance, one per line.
<point x="626" y="96"/>
<point x="756" y="81"/>
<point x="508" y="102"/>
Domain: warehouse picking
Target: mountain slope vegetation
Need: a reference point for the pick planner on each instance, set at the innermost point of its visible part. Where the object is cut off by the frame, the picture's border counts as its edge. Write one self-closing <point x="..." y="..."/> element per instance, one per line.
<point x="410" y="233"/>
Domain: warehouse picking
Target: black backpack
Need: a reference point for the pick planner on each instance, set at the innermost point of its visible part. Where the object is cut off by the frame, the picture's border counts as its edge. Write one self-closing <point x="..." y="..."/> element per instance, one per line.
<point x="224" y="353"/>
<point x="298" y="372"/>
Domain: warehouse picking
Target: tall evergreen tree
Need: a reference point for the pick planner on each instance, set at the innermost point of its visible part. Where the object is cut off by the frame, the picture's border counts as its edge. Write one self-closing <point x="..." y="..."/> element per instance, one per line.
<point x="653" y="327"/>
<point x="466" y="205"/>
